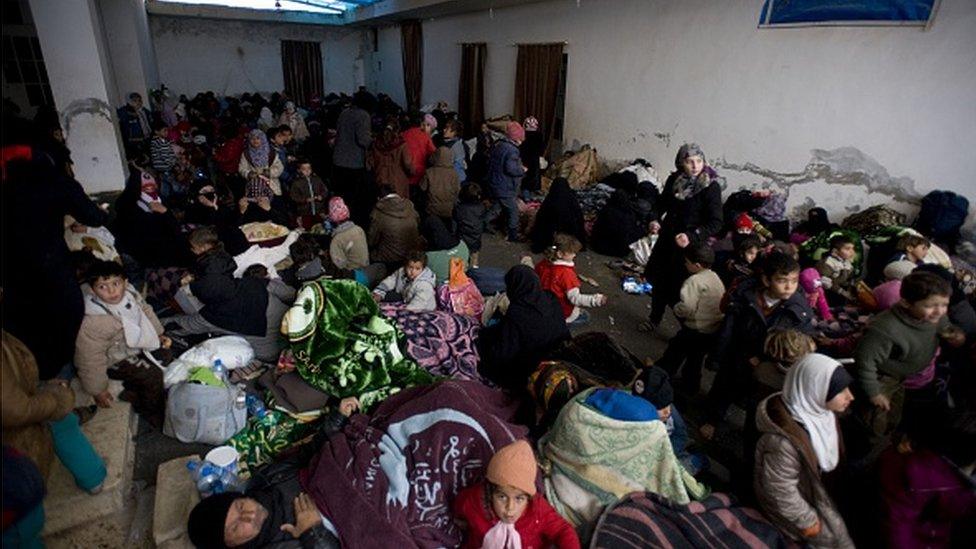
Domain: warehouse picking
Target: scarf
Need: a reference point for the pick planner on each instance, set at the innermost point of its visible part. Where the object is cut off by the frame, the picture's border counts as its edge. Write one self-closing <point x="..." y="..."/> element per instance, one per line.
<point x="522" y="287"/>
<point x="502" y="535"/>
<point x="686" y="187"/>
<point x="805" y="396"/>
<point x="136" y="326"/>
<point x="149" y="191"/>
<point x="258" y="157"/>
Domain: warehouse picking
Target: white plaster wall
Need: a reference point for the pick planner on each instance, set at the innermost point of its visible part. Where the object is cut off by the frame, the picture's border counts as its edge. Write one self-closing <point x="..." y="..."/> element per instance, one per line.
<point x="128" y="51"/>
<point x="646" y="75"/>
<point x="232" y="57"/>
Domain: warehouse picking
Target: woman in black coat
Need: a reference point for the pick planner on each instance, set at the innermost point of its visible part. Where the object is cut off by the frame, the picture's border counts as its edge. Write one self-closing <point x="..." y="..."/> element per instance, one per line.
<point x="617" y="226"/>
<point x="209" y="207"/>
<point x="560" y="213"/>
<point x="692" y="202"/>
<point x="533" y="326"/>
<point x="144" y="228"/>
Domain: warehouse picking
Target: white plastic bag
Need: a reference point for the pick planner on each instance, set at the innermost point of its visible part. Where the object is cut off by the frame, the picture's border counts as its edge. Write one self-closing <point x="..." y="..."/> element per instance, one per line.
<point x="233" y="351"/>
<point x="642" y="249"/>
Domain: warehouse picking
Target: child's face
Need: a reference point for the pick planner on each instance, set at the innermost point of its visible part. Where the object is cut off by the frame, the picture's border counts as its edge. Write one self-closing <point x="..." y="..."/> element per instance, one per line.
<point x="846" y="251"/>
<point x="110" y="290"/>
<point x="509" y="503"/>
<point x="200" y="249"/>
<point x="931" y="309"/>
<point x="693" y="165"/>
<point x="449" y="133"/>
<point x="782" y="286"/>
<point x="664" y="413"/>
<point x="305" y="170"/>
<point x="413" y="269"/>
<point x="693" y="268"/>
<point x="841" y="401"/>
<point x="917" y="253"/>
<point x="749" y="255"/>
<point x="255" y="141"/>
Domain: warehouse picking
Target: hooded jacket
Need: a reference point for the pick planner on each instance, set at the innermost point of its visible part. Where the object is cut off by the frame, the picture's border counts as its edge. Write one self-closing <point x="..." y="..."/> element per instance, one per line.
<point x="392" y="165"/>
<point x="237" y="305"/>
<point x="787" y="479"/>
<point x="419" y="147"/>
<point x="393" y="230"/>
<point x="505" y="170"/>
<point x="441" y="184"/>
<point x="418" y="294"/>
<point x="348" y="248"/>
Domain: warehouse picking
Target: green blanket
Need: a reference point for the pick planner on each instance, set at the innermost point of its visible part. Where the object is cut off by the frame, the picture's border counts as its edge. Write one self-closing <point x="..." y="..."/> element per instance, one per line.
<point x="343" y="346"/>
<point x="592" y="461"/>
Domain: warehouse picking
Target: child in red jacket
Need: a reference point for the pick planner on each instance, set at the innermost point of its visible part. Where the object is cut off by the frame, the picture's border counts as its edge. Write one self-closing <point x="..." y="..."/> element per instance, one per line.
<point x="504" y="512"/>
<point x="557" y="273"/>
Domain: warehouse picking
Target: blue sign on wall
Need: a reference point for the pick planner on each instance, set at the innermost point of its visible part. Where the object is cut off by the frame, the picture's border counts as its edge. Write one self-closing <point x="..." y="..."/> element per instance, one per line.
<point x="847" y="12"/>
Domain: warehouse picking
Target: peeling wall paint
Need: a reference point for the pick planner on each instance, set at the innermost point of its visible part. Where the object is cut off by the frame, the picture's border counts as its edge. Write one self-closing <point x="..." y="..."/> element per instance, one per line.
<point x="90" y="106"/>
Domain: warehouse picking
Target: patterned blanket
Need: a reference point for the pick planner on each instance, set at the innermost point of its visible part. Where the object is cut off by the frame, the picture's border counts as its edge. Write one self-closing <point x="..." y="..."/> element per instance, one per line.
<point x="442" y="343"/>
<point x="389" y="480"/>
<point x="646" y="520"/>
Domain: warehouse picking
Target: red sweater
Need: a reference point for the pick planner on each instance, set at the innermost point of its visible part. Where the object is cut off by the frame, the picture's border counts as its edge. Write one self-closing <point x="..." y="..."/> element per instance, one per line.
<point x="559" y="278"/>
<point x="420" y="147"/>
<point x="540" y="526"/>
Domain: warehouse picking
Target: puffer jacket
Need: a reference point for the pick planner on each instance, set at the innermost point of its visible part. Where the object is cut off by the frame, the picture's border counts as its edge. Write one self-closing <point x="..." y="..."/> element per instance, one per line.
<point x="237" y="305"/>
<point x="393" y="230"/>
<point x="505" y="169"/>
<point x="418" y="294"/>
<point x="441" y="184"/>
<point x="787" y="479"/>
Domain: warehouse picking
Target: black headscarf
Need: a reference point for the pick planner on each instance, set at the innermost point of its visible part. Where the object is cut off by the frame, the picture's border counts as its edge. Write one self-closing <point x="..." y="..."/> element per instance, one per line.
<point x="437" y="235"/>
<point x="816" y="223"/>
<point x="523" y="288"/>
<point x="205" y="526"/>
<point x="560" y="213"/>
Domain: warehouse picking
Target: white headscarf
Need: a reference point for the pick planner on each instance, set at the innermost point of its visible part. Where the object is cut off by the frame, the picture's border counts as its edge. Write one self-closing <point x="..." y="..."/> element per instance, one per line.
<point x="805" y="396"/>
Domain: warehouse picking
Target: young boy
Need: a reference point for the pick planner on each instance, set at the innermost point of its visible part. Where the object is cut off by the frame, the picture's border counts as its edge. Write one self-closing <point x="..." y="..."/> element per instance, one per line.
<point x="757" y="306"/>
<point x="309" y="193"/>
<point x="557" y="273"/>
<point x="163" y="158"/>
<point x="469" y="219"/>
<point x="441" y="186"/>
<point x="700" y="317"/>
<point x="837" y="270"/>
<point x="452" y="140"/>
<point x="413" y="284"/>
<point x="119" y="327"/>
<point x="898" y="343"/>
<point x="740" y="266"/>
<point x="914" y="248"/>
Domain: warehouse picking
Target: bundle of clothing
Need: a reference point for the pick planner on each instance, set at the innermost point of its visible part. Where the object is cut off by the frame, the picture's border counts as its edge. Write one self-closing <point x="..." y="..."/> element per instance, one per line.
<point x="441" y="343"/>
<point x="388" y="480"/>
<point x="592" y="199"/>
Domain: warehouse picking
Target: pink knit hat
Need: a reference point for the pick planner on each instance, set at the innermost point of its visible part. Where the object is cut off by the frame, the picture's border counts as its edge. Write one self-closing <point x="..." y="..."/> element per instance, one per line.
<point x="430" y="121"/>
<point x="515" y="131"/>
<point x="515" y="466"/>
<point x="531" y="124"/>
<point x="338" y="211"/>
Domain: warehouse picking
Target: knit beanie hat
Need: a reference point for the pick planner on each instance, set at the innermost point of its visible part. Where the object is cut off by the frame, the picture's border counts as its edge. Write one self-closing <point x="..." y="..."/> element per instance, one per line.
<point x="531" y="124"/>
<point x="206" y="523"/>
<point x="839" y="381"/>
<point x="654" y="386"/>
<point x="515" y="131"/>
<point x="338" y="211"/>
<point x="430" y="121"/>
<point x="744" y="222"/>
<point x="515" y="466"/>
<point x="897" y="270"/>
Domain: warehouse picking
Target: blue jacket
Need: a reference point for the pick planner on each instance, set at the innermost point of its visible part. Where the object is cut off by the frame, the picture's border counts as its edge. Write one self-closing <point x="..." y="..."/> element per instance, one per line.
<point x="505" y="169"/>
<point x="129" y="124"/>
<point x="460" y="162"/>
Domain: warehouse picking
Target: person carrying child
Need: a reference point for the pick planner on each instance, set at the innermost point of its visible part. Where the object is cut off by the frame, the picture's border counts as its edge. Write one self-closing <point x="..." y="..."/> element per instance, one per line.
<point x="700" y="317"/>
<point x="837" y="270"/>
<point x="505" y="512"/>
<point x="412" y="284"/>
<point x="558" y="275"/>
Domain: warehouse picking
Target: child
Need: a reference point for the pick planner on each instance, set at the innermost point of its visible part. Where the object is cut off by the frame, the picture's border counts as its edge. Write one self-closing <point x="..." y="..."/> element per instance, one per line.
<point x="118" y="327"/>
<point x="163" y="157"/>
<point x="898" y="343"/>
<point x="505" y="172"/>
<point x="413" y="284"/>
<point x="654" y="386"/>
<point x="558" y="275"/>
<point x="914" y="247"/>
<point x="348" y="247"/>
<point x="837" y="270"/>
<point x="280" y="298"/>
<point x="504" y="510"/>
<point x="453" y="129"/>
<point x="700" y="317"/>
<point x="783" y="348"/>
<point x="469" y="217"/>
<point x="740" y="266"/>
<point x="801" y="441"/>
<point x="812" y="286"/>
<point x="308" y="192"/>
<point x="755" y="307"/>
<point x="441" y="185"/>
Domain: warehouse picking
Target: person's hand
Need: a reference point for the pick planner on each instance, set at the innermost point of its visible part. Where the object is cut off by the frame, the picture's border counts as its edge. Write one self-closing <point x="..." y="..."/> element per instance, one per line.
<point x="157" y="207"/>
<point x="348" y="405"/>
<point x="654" y="227"/>
<point x="242" y="204"/>
<point x="104" y="399"/>
<point x="882" y="402"/>
<point x="681" y="239"/>
<point x="306" y="516"/>
<point x="811" y="531"/>
<point x="264" y="203"/>
<point x="601" y="300"/>
<point x="186" y="279"/>
<point x="165" y="342"/>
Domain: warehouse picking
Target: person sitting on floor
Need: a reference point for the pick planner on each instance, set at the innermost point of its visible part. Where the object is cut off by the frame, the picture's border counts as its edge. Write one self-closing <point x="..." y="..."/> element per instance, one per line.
<point x="837" y="270"/>
<point x="617" y="226"/>
<point x="280" y="298"/>
<point x="348" y="248"/>
<point x="558" y="275"/>
<point x="412" y="284"/>
<point x="654" y="386"/>
<point x="560" y="212"/>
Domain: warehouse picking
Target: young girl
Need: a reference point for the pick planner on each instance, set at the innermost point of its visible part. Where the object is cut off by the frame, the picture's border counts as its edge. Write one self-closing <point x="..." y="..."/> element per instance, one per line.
<point x="801" y="441"/>
<point x="558" y="275"/>
<point x="740" y="266"/>
<point x="469" y="218"/>
<point x="505" y="512"/>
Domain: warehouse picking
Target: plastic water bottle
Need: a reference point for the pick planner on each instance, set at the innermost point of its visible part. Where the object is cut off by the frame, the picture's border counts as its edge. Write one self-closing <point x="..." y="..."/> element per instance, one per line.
<point x="255" y="406"/>
<point x="208" y="477"/>
<point x="220" y="371"/>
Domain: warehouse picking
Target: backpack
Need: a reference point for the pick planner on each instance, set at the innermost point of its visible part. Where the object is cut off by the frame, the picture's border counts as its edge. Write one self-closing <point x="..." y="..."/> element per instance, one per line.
<point x="942" y="215"/>
<point x="203" y="413"/>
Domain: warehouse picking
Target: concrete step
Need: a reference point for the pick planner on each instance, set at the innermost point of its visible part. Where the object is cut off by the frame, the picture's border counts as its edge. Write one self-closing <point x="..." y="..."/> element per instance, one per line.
<point x="176" y="494"/>
<point x="74" y="518"/>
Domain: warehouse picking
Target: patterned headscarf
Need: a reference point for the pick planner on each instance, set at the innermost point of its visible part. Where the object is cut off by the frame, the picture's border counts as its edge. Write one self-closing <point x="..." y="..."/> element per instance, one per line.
<point x="531" y="124"/>
<point x="258" y="157"/>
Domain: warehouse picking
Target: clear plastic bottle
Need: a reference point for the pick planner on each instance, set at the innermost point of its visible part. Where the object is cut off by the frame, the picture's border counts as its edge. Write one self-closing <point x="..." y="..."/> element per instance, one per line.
<point x="255" y="406"/>
<point x="220" y="370"/>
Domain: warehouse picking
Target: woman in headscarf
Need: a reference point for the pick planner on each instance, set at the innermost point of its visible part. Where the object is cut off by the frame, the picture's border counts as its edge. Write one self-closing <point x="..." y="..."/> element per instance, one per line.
<point x="560" y="213"/>
<point x="531" y="151"/>
<point x="617" y="226"/>
<point x="442" y="245"/>
<point x="260" y="167"/>
<point x="689" y="212"/>
<point x="816" y="223"/>
<point x="265" y="119"/>
<point x="532" y="326"/>
<point x="292" y="118"/>
<point x="800" y="443"/>
<point x="145" y="229"/>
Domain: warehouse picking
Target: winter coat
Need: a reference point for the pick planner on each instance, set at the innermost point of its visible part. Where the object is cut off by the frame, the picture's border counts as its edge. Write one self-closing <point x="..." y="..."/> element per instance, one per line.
<point x="353" y="139"/>
<point x="101" y="344"/>
<point x="392" y="166"/>
<point x="418" y="294"/>
<point x="505" y="170"/>
<point x="27" y="406"/>
<point x="469" y="218"/>
<point x="393" y="230"/>
<point x="237" y="305"/>
<point x="530" y="151"/>
<point x="787" y="479"/>
<point x="280" y="297"/>
<point x="698" y="308"/>
<point x="560" y="212"/>
<point x="153" y="239"/>
<point x="617" y="226"/>
<point x="272" y="171"/>
<point x="302" y="189"/>
<point x="226" y="220"/>
<point x="348" y="248"/>
<point x="540" y="526"/>
<point x="460" y="158"/>
<point x="441" y="184"/>
<point x="419" y="148"/>
<point x="131" y="127"/>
